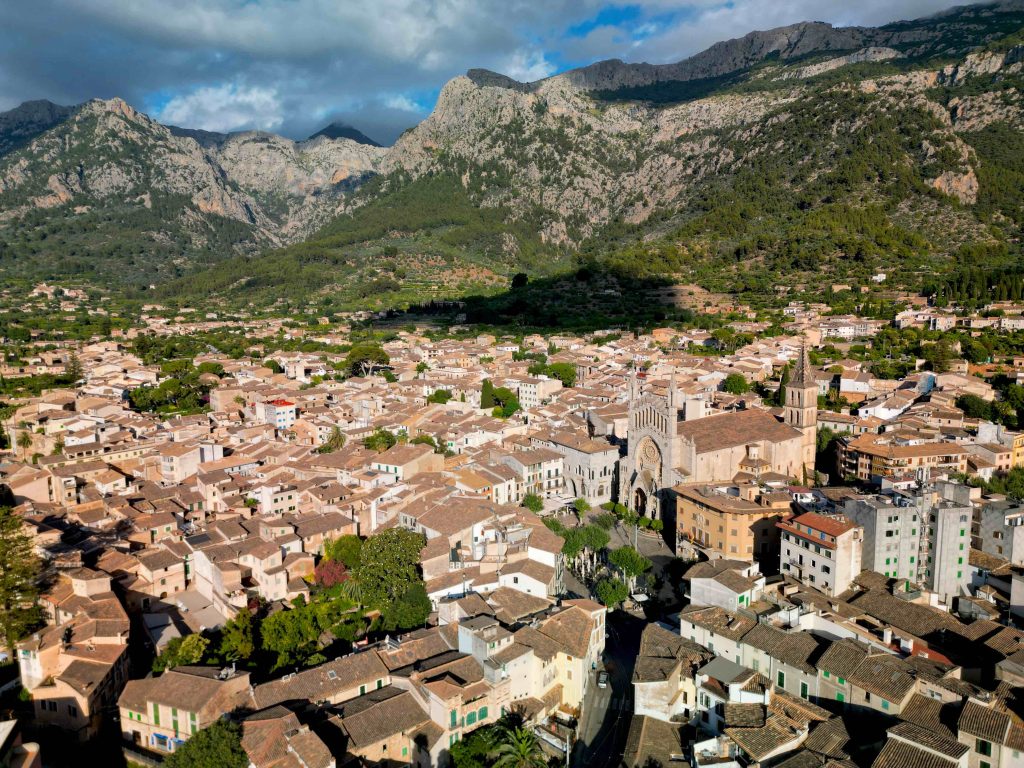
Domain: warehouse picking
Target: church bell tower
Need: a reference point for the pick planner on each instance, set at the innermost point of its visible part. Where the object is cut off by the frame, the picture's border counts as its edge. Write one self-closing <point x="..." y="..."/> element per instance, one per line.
<point x="802" y="407"/>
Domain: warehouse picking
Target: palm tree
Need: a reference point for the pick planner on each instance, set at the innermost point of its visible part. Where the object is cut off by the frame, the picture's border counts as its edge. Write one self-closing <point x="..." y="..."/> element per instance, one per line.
<point x="518" y="748"/>
<point x="24" y="442"/>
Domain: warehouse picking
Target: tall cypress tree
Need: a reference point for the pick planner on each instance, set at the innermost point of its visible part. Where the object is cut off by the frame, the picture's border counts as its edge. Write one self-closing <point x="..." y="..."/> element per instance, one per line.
<point x="487" y="395"/>
<point x="19" y="571"/>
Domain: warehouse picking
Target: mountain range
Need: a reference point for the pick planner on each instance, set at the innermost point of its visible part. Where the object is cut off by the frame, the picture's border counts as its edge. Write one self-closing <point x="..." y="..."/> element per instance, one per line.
<point x="772" y="159"/>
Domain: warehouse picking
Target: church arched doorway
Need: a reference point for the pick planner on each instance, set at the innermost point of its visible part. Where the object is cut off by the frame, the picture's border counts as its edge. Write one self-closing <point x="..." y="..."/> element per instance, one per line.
<point x="640" y="502"/>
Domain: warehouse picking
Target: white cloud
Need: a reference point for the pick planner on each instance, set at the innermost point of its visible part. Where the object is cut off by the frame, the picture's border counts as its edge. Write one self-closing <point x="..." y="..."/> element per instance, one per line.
<point x="527" y="66"/>
<point x="224" y="108"/>
<point x="290" y="64"/>
<point x="403" y="103"/>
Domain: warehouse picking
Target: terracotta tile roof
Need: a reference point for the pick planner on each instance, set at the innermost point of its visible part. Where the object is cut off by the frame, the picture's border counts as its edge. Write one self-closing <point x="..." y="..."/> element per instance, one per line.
<point x="932" y="714"/>
<point x="381" y="714"/>
<point x="930" y="740"/>
<point x="323" y="682"/>
<point x="727" y="430"/>
<point x="886" y="676"/>
<point x="511" y="605"/>
<point x="984" y="722"/>
<point x="722" y="622"/>
<point x="900" y="754"/>
<point x="274" y="738"/>
<point x="571" y="629"/>
<point x="193" y="689"/>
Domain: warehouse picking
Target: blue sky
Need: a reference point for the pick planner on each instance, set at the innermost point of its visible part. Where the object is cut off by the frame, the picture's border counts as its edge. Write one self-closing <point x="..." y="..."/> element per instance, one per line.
<point x="292" y="66"/>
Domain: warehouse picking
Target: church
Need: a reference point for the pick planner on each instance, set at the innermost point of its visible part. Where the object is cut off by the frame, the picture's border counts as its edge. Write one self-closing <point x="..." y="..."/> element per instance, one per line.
<point x="672" y="441"/>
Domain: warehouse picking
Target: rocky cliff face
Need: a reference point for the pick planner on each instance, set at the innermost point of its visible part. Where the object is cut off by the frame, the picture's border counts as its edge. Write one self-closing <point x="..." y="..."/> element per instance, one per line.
<point x="76" y="160"/>
<point x="616" y="141"/>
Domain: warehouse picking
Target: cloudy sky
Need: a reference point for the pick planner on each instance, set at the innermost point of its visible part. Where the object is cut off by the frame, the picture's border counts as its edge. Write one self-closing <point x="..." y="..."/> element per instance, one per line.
<point x="292" y="66"/>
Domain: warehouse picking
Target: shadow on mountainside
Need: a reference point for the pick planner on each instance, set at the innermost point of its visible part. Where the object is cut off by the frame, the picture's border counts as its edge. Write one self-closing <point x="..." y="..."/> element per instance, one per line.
<point x="585" y="300"/>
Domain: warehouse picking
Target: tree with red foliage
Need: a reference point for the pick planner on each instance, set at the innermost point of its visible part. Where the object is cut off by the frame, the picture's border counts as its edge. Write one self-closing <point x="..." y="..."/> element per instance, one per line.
<point x="330" y="573"/>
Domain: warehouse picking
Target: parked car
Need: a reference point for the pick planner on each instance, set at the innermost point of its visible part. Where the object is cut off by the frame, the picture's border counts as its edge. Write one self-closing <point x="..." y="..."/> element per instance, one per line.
<point x="602" y="679"/>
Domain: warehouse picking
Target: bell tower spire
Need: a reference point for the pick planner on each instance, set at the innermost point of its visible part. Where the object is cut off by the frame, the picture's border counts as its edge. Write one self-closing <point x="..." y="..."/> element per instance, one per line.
<point x="801" y="407"/>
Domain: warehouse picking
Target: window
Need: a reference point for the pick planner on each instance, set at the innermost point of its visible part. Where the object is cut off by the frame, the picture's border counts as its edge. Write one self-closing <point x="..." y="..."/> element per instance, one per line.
<point x="840" y="697"/>
<point x="827" y="673"/>
<point x="482" y="713"/>
<point x="156" y="714"/>
<point x="841" y="680"/>
<point x="983" y="747"/>
<point x="455" y="718"/>
<point x="362" y="690"/>
<point x="885" y="704"/>
<point x="804" y="691"/>
<point x="781" y="679"/>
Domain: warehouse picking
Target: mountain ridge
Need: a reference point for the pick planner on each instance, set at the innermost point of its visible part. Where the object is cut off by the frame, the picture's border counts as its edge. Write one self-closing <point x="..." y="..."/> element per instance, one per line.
<point x="610" y="165"/>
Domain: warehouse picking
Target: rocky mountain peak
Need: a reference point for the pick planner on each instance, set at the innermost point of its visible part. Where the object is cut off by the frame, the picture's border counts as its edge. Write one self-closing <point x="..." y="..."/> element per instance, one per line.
<point x="26" y="121"/>
<point x="340" y="130"/>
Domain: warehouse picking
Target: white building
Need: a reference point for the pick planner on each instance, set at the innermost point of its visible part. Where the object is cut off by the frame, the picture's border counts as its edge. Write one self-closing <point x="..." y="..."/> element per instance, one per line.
<point x="821" y="551"/>
<point x="920" y="536"/>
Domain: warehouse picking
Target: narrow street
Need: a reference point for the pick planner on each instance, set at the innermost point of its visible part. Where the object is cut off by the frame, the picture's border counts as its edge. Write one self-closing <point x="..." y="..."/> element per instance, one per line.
<point x="607" y="711"/>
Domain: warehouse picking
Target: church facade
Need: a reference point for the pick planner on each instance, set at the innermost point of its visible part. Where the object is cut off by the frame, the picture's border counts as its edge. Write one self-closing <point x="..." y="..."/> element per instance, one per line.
<point x="672" y="441"/>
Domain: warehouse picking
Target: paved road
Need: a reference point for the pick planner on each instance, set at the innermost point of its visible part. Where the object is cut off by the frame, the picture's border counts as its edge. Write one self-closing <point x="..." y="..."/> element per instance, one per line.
<point x="606" y="715"/>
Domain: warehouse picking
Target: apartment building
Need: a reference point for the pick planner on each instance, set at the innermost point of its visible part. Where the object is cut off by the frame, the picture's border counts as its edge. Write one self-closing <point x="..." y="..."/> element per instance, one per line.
<point x="821" y="551"/>
<point x="922" y="536"/>
<point x="720" y="521"/>
<point x="1001" y="529"/>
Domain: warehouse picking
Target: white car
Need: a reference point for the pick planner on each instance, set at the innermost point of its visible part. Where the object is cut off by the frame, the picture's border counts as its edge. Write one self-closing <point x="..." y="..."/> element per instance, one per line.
<point x="602" y="679"/>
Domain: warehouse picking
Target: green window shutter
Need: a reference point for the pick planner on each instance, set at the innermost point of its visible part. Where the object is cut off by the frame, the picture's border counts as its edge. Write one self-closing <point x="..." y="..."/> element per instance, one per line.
<point x="826" y="673"/>
<point x="455" y="718"/>
<point x="156" y="714"/>
<point x="840" y="697"/>
<point x="781" y="679"/>
<point x="471" y="718"/>
<point x="841" y="680"/>
<point x="804" y="692"/>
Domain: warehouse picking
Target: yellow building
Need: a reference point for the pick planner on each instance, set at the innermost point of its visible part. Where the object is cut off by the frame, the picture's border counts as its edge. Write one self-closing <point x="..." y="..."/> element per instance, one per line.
<point x="732" y="526"/>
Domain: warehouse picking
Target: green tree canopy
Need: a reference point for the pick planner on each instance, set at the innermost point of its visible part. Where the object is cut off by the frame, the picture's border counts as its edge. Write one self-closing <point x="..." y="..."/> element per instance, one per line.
<point x="487" y="394"/>
<point x="388" y="566"/>
<point x="564" y="372"/>
<point x="440" y="397"/>
<point x="181" y="651"/>
<point x="237" y="639"/>
<point x="736" y="384"/>
<point x="334" y="442"/>
<point x="518" y="747"/>
<point x="629" y="561"/>
<point x="19" y="571"/>
<point x="345" y="549"/>
<point x="380" y="440"/>
<point x="533" y="502"/>
<point x="363" y="359"/>
<point x="219" y="745"/>
<point x="611" y="592"/>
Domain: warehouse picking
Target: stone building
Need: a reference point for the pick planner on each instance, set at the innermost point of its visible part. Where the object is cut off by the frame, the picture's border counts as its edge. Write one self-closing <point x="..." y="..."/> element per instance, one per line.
<point x="673" y="441"/>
